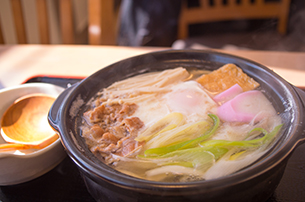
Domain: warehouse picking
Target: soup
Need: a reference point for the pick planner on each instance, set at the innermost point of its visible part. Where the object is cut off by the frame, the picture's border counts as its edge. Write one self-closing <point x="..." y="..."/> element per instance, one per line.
<point x="181" y="125"/>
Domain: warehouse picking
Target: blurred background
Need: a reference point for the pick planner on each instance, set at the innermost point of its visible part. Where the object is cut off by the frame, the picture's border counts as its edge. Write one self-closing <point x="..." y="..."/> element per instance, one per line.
<point x="224" y="24"/>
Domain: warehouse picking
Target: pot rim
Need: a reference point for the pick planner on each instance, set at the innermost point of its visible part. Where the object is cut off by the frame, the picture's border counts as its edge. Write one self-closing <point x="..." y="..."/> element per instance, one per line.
<point x="123" y="180"/>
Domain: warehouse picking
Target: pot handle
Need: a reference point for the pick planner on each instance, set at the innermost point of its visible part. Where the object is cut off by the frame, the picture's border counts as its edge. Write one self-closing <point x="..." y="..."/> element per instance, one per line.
<point x="301" y="94"/>
<point x="56" y="107"/>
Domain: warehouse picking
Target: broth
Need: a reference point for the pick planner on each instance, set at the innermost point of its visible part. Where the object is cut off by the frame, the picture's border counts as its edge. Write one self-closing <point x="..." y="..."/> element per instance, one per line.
<point x="178" y="126"/>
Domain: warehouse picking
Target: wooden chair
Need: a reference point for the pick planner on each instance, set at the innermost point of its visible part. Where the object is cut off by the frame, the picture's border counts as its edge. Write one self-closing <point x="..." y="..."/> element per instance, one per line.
<point x="222" y="10"/>
<point x="101" y="22"/>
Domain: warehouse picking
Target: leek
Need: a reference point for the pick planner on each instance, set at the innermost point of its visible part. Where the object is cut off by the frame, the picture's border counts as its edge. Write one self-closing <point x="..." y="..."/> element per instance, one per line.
<point x="177" y="135"/>
<point x="245" y="143"/>
<point x="186" y="144"/>
<point x="200" y="154"/>
<point x="198" y="157"/>
<point x="169" y="122"/>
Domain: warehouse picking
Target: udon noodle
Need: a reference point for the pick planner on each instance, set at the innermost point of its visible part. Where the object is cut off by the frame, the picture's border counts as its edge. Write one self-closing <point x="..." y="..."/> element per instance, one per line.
<point x="178" y="125"/>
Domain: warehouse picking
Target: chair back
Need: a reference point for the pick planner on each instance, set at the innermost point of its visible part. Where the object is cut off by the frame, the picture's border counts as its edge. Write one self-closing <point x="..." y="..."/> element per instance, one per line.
<point x="101" y="15"/>
<point x="222" y="10"/>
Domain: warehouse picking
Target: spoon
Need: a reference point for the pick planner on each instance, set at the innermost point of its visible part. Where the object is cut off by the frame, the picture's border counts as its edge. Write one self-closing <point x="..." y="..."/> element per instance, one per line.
<point x="24" y="124"/>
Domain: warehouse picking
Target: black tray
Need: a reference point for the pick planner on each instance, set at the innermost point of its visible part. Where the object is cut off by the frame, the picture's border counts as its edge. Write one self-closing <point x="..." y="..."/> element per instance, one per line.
<point x="64" y="182"/>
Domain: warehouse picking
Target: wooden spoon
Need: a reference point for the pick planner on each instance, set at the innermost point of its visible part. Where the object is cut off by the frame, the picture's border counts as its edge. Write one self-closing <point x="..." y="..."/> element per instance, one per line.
<point x="24" y="124"/>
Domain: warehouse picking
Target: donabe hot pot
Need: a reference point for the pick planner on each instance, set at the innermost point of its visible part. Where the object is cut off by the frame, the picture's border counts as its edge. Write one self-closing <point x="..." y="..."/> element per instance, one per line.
<point x="254" y="183"/>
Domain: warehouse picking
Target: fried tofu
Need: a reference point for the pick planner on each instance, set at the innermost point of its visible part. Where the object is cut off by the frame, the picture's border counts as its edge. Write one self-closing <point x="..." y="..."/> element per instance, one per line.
<point x="225" y="77"/>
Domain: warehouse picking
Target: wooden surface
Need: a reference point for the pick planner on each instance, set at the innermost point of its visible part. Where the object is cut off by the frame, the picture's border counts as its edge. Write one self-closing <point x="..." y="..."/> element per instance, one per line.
<point x="1" y="35"/>
<point x="64" y="183"/>
<point x="25" y="121"/>
<point x="20" y="62"/>
<point x="66" y="21"/>
<point x="43" y="22"/>
<point x="18" y="20"/>
<point x="219" y="11"/>
<point x="102" y="22"/>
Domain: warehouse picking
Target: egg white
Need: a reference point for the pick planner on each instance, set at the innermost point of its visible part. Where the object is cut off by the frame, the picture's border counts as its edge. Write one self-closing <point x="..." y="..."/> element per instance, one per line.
<point x="188" y="98"/>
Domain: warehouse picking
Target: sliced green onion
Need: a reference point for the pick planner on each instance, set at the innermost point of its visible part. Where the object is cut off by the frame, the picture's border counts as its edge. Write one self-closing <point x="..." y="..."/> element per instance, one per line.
<point x="197" y="157"/>
<point x="169" y="122"/>
<point x="186" y="144"/>
<point x="245" y="143"/>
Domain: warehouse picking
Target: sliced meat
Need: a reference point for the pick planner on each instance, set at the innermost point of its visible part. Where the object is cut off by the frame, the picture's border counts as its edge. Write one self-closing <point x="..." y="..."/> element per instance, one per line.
<point x="111" y="130"/>
<point x="133" y="125"/>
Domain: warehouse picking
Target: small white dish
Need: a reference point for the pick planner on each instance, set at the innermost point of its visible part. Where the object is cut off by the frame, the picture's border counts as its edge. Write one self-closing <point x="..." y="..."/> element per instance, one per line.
<point x="21" y="166"/>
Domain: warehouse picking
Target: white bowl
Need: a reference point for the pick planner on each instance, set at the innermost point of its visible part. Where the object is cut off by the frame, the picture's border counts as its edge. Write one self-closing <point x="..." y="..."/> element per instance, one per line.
<point x="18" y="167"/>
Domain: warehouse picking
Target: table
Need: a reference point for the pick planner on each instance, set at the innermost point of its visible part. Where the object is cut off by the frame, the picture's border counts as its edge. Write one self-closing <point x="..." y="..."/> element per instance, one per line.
<point x="24" y="61"/>
<point x="18" y="63"/>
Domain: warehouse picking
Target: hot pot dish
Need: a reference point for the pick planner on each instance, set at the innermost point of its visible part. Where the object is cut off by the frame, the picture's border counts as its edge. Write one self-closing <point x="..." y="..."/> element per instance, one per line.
<point x="181" y="126"/>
